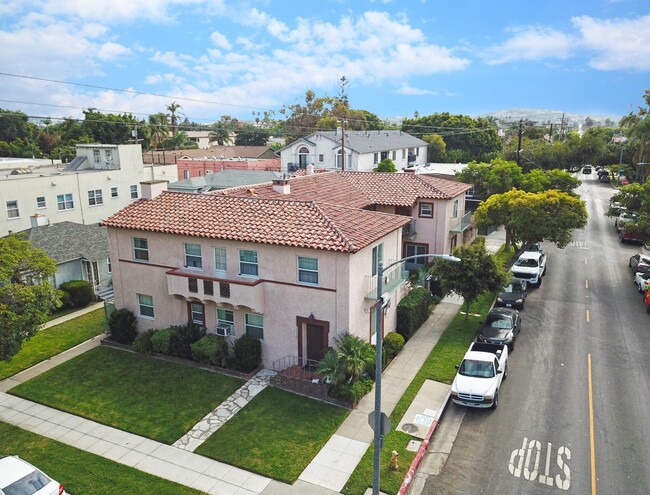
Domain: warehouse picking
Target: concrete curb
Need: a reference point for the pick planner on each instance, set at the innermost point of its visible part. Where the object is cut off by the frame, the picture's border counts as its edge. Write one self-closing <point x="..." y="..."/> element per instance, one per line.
<point x="422" y="450"/>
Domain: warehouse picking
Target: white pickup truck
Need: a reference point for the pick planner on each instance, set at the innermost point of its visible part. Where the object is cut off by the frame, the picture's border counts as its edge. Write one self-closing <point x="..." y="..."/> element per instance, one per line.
<point x="479" y="375"/>
<point x="530" y="266"/>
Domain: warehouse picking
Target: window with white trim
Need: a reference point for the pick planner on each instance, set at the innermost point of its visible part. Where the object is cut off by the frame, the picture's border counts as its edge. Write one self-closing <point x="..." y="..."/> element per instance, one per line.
<point x="97" y="158"/>
<point x="321" y="157"/>
<point x="193" y="256"/>
<point x="455" y="208"/>
<point x="426" y="210"/>
<point x="40" y="202"/>
<point x="375" y="158"/>
<point x="113" y="192"/>
<point x="186" y="174"/>
<point x="403" y="154"/>
<point x="140" y="249"/>
<point x="145" y="303"/>
<point x="394" y="152"/>
<point x="197" y="313"/>
<point x="248" y="263"/>
<point x="307" y="270"/>
<point x="64" y="202"/>
<point x="377" y="256"/>
<point x="254" y="325"/>
<point x="134" y="191"/>
<point x="226" y="317"/>
<point x="95" y="197"/>
<point x="220" y="265"/>
<point x="12" y="209"/>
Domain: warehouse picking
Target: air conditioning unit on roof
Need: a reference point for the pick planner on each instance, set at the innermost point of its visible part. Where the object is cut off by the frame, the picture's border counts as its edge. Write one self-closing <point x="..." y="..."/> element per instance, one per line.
<point x="224" y="329"/>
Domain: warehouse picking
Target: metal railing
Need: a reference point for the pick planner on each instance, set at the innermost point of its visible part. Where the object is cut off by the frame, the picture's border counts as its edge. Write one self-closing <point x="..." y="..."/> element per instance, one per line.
<point x="464" y="223"/>
<point x="393" y="278"/>
<point x="296" y="367"/>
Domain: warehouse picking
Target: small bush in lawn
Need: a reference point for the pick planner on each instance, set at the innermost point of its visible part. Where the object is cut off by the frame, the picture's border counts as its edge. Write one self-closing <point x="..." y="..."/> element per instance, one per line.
<point x="81" y="292"/>
<point x="210" y="349"/>
<point x="123" y="326"/>
<point x="247" y="353"/>
<point x="352" y="392"/>
<point x="161" y="341"/>
<point x="142" y="342"/>
<point x="393" y="343"/>
<point x="182" y="339"/>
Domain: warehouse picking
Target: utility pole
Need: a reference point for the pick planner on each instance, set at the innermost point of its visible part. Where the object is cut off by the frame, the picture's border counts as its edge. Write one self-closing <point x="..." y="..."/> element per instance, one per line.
<point x="342" y="145"/>
<point x="521" y="131"/>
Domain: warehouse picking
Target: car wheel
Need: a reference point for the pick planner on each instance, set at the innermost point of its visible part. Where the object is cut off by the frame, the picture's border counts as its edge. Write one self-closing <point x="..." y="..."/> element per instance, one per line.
<point x="495" y="403"/>
<point x="640" y="288"/>
<point x="544" y="272"/>
<point x="511" y="347"/>
<point x="505" y="372"/>
<point x="539" y="282"/>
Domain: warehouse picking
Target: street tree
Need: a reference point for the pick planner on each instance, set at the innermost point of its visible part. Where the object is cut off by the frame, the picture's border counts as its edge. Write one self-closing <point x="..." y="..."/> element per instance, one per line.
<point x="637" y="126"/>
<point x="497" y="176"/>
<point x="23" y="307"/>
<point x="249" y="135"/>
<point x="475" y="273"/>
<point x="531" y="217"/>
<point x="436" y="149"/>
<point x="385" y="165"/>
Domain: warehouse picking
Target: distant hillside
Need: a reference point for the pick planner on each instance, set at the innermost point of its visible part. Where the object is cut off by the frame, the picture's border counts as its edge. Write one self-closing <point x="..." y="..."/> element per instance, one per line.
<point x="548" y="116"/>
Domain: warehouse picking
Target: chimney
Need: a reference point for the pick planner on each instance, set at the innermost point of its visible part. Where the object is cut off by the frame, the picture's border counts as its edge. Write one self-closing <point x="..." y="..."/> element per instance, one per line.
<point x="281" y="186"/>
<point x="310" y="169"/>
<point x="152" y="188"/>
<point x="38" y="220"/>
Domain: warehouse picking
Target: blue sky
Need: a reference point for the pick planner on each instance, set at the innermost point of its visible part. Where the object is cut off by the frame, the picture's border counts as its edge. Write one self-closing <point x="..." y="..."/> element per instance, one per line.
<point x="223" y="57"/>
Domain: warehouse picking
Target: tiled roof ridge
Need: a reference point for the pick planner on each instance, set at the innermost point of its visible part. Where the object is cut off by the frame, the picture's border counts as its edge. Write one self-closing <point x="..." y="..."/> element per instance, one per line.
<point x="350" y="245"/>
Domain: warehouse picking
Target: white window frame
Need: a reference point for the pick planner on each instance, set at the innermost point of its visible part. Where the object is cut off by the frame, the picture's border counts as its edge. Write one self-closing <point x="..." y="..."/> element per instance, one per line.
<point x="424" y="214"/>
<point x="201" y="321"/>
<point x="64" y="202"/>
<point x="41" y="204"/>
<point x="375" y="158"/>
<point x="226" y="317"/>
<point x="321" y="157"/>
<point x="254" y="264"/>
<point x="186" y="174"/>
<point x="394" y="152"/>
<point x="193" y="261"/>
<point x="306" y="271"/>
<point x="145" y="302"/>
<point x="97" y="155"/>
<point x="12" y="209"/>
<point x="377" y="256"/>
<point x="137" y="250"/>
<point x="219" y="255"/>
<point x="134" y="191"/>
<point x="455" y="212"/>
<point x="254" y="327"/>
<point x="95" y="197"/>
<point x="114" y="193"/>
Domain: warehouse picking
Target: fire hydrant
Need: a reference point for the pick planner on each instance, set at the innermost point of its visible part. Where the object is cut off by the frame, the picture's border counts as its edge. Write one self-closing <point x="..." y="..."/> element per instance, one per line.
<point x="393" y="460"/>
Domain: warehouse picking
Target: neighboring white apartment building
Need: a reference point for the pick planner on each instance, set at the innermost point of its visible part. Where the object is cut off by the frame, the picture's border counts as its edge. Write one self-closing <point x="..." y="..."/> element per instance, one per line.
<point x="295" y="274"/>
<point x="101" y="180"/>
<point x="356" y="151"/>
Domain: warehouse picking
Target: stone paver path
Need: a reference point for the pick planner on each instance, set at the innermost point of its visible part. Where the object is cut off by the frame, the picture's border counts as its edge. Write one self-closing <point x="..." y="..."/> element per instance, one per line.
<point x="224" y="411"/>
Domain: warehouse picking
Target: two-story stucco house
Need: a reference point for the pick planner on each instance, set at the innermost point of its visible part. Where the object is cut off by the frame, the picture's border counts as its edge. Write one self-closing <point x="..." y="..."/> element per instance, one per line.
<point x="359" y="151"/>
<point x="296" y="274"/>
<point x="99" y="181"/>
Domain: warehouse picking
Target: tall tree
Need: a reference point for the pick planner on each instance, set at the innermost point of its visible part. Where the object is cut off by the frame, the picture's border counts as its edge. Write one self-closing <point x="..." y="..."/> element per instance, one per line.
<point x="23" y="308"/>
<point x="220" y="131"/>
<point x="250" y="135"/>
<point x="637" y="126"/>
<point x="173" y="108"/>
<point x="158" y="128"/>
<point x="437" y="147"/>
<point x="475" y="273"/>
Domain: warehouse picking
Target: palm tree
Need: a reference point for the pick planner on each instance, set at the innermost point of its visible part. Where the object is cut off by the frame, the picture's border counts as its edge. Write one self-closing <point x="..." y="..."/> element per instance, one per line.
<point x="220" y="134"/>
<point x="174" y="119"/>
<point x="638" y="130"/>
<point x="180" y="141"/>
<point x="159" y="128"/>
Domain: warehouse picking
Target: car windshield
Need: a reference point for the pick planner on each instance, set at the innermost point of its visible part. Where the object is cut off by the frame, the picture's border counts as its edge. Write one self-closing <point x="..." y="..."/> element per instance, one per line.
<point x="513" y="287"/>
<point x="27" y="485"/>
<point x="499" y="323"/>
<point x="478" y="369"/>
<point x="527" y="262"/>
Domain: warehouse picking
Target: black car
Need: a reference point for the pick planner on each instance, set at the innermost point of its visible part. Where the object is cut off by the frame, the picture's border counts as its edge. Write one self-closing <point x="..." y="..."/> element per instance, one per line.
<point x="513" y="295"/>
<point x="501" y="326"/>
<point x="586" y="170"/>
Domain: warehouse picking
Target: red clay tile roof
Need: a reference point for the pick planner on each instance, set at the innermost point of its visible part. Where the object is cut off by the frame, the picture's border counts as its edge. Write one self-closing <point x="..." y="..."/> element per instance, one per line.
<point x="360" y="189"/>
<point x="276" y="221"/>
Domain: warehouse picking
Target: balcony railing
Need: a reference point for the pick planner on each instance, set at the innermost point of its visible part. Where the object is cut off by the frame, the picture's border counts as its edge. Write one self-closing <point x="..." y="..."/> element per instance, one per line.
<point x="464" y="223"/>
<point x="393" y="278"/>
<point x="238" y="292"/>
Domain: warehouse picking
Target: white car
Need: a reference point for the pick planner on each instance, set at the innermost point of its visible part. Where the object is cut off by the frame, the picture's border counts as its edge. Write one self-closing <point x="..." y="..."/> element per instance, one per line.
<point x="642" y="281"/>
<point x="530" y="266"/>
<point x="18" y="477"/>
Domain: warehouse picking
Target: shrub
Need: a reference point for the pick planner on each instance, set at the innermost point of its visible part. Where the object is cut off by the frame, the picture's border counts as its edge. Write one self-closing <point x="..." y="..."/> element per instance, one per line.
<point x="393" y="343"/>
<point x="183" y="337"/>
<point x="161" y="340"/>
<point x="142" y="342"/>
<point x="65" y="299"/>
<point x="412" y="311"/>
<point x="123" y="326"/>
<point x="247" y="353"/>
<point x="210" y="349"/>
<point x="81" y="292"/>
<point x="352" y="392"/>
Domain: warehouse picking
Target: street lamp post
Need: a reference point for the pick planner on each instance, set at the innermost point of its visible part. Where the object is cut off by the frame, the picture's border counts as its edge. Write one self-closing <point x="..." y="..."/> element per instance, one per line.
<point x="379" y="331"/>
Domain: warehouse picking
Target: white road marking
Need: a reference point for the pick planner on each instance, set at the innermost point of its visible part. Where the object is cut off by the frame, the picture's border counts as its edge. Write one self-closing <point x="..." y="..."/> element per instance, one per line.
<point x="525" y="461"/>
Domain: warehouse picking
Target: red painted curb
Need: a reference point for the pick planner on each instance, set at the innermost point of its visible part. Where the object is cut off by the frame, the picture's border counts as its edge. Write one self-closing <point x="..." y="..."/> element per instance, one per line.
<point x="422" y="450"/>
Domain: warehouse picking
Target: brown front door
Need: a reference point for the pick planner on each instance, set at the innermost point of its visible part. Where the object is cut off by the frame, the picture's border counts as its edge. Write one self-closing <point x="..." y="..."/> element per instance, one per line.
<point x="315" y="342"/>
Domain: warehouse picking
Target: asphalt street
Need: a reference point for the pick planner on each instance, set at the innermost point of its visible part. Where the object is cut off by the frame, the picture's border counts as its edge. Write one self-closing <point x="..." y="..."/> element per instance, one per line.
<point x="573" y="414"/>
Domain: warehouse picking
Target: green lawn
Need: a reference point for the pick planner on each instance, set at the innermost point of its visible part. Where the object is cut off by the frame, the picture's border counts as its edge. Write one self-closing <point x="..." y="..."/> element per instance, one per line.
<point x="54" y="340"/>
<point x="136" y="393"/>
<point x="83" y="473"/>
<point x="276" y="435"/>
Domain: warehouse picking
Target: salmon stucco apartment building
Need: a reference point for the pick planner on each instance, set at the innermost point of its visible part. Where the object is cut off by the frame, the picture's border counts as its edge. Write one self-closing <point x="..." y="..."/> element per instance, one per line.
<point x="293" y="262"/>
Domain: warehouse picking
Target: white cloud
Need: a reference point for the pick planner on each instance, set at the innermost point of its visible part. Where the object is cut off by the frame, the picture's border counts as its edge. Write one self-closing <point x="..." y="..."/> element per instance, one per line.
<point x="220" y="40"/>
<point x="618" y="43"/>
<point x="531" y="43"/>
<point x="409" y="90"/>
<point x="118" y="10"/>
<point x="111" y="51"/>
